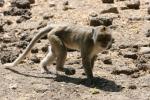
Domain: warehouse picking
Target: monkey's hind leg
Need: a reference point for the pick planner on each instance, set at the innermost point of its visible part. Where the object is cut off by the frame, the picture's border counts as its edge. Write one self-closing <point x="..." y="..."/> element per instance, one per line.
<point x="50" y="57"/>
<point x="61" y="53"/>
<point x="61" y="57"/>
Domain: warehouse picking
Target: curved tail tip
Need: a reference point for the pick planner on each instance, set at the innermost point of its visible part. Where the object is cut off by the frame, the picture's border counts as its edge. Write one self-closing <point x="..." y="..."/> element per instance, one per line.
<point x="8" y="65"/>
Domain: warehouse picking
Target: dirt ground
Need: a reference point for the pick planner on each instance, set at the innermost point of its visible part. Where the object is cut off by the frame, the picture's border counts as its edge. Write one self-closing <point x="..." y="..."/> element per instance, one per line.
<point x="121" y="73"/>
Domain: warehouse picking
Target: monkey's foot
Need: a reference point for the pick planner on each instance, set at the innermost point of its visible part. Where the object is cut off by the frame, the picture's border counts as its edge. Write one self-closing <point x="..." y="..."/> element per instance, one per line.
<point x="69" y="71"/>
<point x="90" y="82"/>
<point x="45" y="72"/>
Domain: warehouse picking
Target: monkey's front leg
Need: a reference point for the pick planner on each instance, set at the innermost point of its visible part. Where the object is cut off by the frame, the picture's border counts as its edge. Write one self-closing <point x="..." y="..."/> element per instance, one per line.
<point x="87" y="68"/>
<point x="87" y="64"/>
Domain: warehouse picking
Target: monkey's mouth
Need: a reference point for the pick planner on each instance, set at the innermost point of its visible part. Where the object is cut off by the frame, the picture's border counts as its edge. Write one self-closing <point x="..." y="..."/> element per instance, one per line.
<point x="106" y="45"/>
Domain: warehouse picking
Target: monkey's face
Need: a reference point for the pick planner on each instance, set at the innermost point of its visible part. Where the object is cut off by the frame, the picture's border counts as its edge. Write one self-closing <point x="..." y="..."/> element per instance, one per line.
<point x="103" y="37"/>
<point x="104" y="40"/>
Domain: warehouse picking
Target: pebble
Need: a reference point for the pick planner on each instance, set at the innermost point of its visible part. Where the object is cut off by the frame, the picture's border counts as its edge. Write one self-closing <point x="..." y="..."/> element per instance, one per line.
<point x="131" y="55"/>
<point x="108" y="1"/>
<point x="110" y="9"/>
<point x="133" y="4"/>
<point x="144" y="50"/>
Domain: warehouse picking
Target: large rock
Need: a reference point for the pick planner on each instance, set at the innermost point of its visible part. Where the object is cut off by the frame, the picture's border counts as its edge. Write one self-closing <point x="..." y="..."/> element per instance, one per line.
<point x="110" y="9"/>
<point x="14" y="11"/>
<point x="21" y="3"/>
<point x="97" y="21"/>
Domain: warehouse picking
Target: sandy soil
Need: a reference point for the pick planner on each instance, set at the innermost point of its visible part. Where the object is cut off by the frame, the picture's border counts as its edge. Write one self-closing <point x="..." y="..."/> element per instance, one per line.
<point x="124" y="78"/>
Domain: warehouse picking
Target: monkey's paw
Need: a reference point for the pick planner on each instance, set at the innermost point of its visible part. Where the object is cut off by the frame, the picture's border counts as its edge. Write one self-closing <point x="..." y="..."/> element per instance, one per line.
<point x="69" y="71"/>
<point x="45" y="71"/>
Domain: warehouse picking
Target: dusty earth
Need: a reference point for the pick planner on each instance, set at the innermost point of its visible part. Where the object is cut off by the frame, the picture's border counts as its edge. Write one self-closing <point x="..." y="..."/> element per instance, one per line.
<point x="121" y="73"/>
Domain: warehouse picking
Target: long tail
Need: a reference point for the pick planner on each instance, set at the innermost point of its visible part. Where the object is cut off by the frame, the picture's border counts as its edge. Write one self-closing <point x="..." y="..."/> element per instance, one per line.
<point x="41" y="33"/>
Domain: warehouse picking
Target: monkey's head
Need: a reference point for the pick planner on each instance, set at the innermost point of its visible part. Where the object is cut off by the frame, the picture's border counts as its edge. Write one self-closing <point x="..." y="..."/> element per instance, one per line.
<point x="102" y="37"/>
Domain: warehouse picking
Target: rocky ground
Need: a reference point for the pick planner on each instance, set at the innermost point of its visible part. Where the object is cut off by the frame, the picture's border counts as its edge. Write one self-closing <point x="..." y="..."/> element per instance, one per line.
<point x="121" y="73"/>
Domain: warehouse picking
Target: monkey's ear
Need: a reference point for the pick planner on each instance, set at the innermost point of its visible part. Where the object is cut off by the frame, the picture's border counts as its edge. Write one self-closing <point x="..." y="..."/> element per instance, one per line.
<point x="103" y="29"/>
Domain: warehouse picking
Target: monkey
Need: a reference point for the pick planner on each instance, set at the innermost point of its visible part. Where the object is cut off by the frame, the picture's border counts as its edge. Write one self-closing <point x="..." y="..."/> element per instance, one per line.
<point x="87" y="39"/>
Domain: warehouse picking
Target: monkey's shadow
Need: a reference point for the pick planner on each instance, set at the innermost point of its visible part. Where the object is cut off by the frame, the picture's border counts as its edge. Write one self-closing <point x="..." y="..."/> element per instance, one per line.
<point x="99" y="83"/>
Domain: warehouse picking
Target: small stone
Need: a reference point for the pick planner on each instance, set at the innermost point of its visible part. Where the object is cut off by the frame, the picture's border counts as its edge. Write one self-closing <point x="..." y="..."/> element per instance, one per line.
<point x="93" y="14"/>
<point x="47" y="16"/>
<point x="42" y="24"/>
<point x="131" y="55"/>
<point x="22" y="44"/>
<point x="66" y="7"/>
<point x="13" y="86"/>
<point x="148" y="10"/>
<point x="147" y="18"/>
<point x="133" y="4"/>
<point x="35" y="59"/>
<point x="107" y="60"/>
<point x="108" y="1"/>
<point x="121" y="0"/>
<point x="110" y="9"/>
<point x="142" y="59"/>
<point x="123" y="70"/>
<point x="135" y="18"/>
<point x="147" y="34"/>
<point x="32" y="1"/>
<point x="1" y="3"/>
<point x="40" y="88"/>
<point x="22" y="18"/>
<point x="144" y="50"/>
<point x="132" y="87"/>
<point x="34" y="50"/>
<point x="65" y="3"/>
<point x="51" y="4"/>
<point x="123" y="8"/>
<point x="2" y="23"/>
<point x="9" y="22"/>
<point x="123" y="46"/>
<point x="23" y="35"/>
<point x="6" y="38"/>
<point x="9" y="56"/>
<point x="135" y="75"/>
<point x="143" y="67"/>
